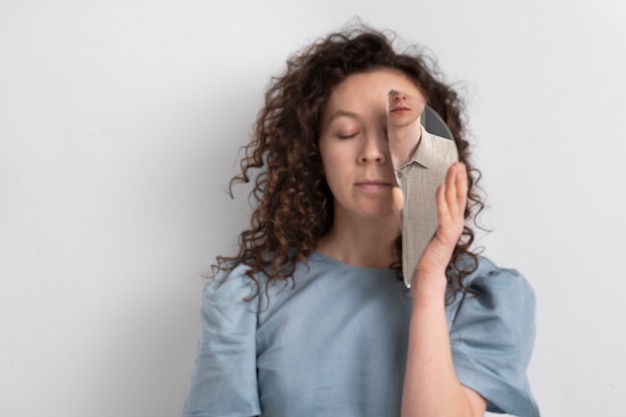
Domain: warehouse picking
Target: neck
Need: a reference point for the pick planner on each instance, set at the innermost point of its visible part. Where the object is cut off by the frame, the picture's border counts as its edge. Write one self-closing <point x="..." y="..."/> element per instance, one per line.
<point x="404" y="142"/>
<point x="364" y="243"/>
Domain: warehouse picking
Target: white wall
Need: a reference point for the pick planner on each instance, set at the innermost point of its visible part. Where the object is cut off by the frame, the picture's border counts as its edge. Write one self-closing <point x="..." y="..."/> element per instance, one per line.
<point x="119" y="128"/>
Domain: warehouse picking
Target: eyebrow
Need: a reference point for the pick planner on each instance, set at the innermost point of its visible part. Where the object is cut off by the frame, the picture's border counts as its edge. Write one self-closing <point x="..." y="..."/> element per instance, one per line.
<point x="341" y="113"/>
<point x="352" y="115"/>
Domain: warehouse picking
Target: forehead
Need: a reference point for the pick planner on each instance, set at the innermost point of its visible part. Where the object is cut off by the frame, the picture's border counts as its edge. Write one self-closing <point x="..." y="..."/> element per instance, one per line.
<point x="366" y="93"/>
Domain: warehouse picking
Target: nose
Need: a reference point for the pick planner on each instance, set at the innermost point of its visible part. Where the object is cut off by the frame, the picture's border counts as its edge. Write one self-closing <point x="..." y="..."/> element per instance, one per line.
<point x="375" y="149"/>
<point x="397" y="96"/>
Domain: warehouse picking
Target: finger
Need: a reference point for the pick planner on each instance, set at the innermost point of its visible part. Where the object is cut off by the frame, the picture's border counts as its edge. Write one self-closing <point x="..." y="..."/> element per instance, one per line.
<point x="457" y="189"/>
<point x="397" y="203"/>
<point x="451" y="188"/>
<point x="443" y="212"/>
<point x="445" y="236"/>
<point x="461" y="187"/>
<point x="451" y="211"/>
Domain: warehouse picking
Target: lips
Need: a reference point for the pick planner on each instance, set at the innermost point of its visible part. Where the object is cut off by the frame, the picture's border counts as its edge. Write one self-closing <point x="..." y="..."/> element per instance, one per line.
<point x="375" y="182"/>
<point x="400" y="109"/>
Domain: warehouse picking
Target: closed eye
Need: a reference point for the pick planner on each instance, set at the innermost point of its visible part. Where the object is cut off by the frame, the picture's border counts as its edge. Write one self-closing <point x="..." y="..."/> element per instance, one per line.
<point x="347" y="136"/>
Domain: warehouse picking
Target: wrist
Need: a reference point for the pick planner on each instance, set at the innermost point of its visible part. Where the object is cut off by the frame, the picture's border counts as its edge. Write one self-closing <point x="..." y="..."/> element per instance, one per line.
<point x="428" y="287"/>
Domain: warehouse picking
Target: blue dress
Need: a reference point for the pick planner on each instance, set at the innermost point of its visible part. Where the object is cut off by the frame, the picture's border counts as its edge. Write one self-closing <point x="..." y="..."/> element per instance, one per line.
<point x="335" y="344"/>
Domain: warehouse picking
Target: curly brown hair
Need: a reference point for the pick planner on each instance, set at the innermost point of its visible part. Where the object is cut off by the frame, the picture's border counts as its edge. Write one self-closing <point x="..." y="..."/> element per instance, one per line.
<point x="294" y="206"/>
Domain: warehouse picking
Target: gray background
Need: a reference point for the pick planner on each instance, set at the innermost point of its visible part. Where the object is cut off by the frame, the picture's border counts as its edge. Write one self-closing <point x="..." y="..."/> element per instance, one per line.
<point x="120" y="123"/>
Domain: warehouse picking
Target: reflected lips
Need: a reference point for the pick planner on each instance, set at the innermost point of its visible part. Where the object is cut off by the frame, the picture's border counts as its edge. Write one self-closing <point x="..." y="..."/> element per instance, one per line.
<point x="400" y="109"/>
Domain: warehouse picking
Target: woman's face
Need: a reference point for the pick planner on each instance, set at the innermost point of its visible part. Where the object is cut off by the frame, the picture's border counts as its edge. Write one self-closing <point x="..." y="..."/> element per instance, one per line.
<point x="353" y="142"/>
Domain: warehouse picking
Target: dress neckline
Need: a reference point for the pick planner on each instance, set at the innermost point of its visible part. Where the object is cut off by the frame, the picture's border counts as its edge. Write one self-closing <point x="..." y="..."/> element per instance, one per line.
<point x="320" y="256"/>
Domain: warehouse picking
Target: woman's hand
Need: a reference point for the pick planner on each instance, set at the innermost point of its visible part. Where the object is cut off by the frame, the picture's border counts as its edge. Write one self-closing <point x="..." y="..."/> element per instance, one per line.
<point x="451" y="201"/>
<point x="431" y="386"/>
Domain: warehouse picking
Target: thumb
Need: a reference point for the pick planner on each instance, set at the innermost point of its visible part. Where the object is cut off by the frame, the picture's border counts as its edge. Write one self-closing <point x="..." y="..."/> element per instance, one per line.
<point x="398" y="204"/>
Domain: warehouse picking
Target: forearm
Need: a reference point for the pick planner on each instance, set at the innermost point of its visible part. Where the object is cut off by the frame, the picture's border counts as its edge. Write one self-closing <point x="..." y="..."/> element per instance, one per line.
<point x="431" y="387"/>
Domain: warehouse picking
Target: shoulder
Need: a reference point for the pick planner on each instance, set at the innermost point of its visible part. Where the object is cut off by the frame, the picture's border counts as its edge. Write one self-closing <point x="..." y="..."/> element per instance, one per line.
<point x="440" y="149"/>
<point x="224" y="380"/>
<point x="237" y="283"/>
<point x="231" y="295"/>
<point x="492" y="332"/>
<point x="497" y="284"/>
<point x="231" y="282"/>
<point x="499" y="305"/>
<point x="440" y="142"/>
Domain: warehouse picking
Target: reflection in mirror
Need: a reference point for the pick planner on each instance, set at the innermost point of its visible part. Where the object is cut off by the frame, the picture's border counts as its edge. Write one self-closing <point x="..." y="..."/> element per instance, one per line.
<point x="403" y="127"/>
<point x="435" y="124"/>
<point x="422" y="149"/>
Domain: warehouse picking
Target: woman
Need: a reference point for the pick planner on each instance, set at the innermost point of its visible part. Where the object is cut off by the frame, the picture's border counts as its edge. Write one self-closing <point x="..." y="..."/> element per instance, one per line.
<point x="311" y="317"/>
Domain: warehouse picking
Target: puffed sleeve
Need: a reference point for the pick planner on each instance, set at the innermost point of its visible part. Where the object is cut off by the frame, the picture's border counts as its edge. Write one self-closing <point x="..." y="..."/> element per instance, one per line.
<point x="492" y="335"/>
<point x="223" y="381"/>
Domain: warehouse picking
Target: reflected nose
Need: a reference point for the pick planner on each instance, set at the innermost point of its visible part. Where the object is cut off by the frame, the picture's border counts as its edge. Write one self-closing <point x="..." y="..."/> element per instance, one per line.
<point x="397" y="95"/>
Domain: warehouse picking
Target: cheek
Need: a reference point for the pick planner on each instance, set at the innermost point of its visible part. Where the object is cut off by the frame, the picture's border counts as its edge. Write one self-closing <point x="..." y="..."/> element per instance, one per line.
<point x="330" y="172"/>
<point x="336" y="162"/>
<point x="334" y="166"/>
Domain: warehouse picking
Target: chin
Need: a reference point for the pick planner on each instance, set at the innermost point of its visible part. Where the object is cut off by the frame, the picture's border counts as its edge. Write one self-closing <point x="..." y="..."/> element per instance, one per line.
<point x="380" y="214"/>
